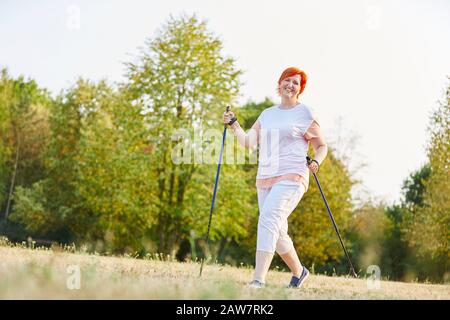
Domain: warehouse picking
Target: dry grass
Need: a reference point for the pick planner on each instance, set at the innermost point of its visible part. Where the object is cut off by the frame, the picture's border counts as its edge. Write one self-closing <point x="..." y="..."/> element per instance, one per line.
<point x="42" y="274"/>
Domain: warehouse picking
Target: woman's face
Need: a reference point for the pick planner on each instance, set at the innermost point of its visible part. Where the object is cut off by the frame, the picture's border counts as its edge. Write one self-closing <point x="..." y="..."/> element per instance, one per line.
<point x="290" y="87"/>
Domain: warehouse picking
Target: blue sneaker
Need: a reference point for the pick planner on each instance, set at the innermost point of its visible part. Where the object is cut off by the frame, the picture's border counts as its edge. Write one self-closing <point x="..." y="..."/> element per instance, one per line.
<point x="297" y="282"/>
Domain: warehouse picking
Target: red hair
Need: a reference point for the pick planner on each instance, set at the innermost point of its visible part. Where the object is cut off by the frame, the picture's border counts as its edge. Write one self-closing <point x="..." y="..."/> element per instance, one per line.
<point x="292" y="71"/>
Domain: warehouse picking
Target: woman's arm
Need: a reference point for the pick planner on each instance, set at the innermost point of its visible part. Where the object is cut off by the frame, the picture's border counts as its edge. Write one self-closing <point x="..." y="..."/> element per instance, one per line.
<point x="315" y="136"/>
<point x="249" y="139"/>
<point x="320" y="151"/>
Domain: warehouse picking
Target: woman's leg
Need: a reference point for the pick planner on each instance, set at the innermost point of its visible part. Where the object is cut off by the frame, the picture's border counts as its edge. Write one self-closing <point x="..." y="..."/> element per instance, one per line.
<point x="285" y="247"/>
<point x="263" y="258"/>
<point x="262" y="196"/>
<point x="276" y="207"/>
<point x="262" y="265"/>
<point x="293" y="262"/>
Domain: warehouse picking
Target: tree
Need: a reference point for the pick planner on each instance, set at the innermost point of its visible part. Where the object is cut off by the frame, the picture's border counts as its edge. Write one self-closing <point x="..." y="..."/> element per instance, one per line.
<point x="98" y="187"/>
<point x="397" y="259"/>
<point x="54" y="197"/>
<point x="24" y="134"/>
<point x="414" y="188"/>
<point x="370" y="229"/>
<point x="182" y="80"/>
<point x="428" y="231"/>
<point x="114" y="177"/>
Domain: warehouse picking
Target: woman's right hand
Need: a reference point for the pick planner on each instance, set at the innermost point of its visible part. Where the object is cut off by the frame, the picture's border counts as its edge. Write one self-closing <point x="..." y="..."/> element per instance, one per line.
<point x="227" y="116"/>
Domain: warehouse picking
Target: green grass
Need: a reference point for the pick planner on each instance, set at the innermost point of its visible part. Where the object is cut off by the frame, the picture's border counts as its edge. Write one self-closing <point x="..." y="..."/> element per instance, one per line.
<point x="42" y="274"/>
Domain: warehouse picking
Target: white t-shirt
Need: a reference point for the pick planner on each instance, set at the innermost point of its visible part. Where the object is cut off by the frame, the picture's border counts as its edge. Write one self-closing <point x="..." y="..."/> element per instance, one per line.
<point x="282" y="146"/>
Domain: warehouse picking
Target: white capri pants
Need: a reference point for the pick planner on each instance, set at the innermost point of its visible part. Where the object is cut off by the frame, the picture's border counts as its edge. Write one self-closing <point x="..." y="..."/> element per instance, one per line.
<point x="275" y="205"/>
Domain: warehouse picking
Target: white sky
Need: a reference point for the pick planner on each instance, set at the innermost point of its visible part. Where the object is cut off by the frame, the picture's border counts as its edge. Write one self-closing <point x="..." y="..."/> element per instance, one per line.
<point x="379" y="65"/>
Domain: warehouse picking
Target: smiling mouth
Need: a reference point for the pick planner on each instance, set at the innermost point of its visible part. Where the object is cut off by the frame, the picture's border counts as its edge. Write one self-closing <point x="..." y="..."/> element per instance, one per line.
<point x="289" y="91"/>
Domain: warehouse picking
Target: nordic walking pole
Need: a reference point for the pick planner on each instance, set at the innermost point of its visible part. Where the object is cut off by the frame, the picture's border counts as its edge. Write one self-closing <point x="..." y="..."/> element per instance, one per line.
<point x="309" y="160"/>
<point x="215" y="189"/>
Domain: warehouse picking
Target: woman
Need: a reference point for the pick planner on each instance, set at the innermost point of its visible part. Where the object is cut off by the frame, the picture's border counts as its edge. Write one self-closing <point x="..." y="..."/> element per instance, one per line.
<point x="283" y="133"/>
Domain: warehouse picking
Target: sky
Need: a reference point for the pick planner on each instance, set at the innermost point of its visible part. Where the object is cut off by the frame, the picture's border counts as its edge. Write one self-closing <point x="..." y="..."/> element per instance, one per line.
<point x="376" y="69"/>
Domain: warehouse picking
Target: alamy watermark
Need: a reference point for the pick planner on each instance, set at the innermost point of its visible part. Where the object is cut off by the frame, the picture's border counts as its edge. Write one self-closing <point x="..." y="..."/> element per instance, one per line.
<point x="373" y="277"/>
<point x="73" y="281"/>
<point x="203" y="146"/>
<point x="73" y="21"/>
<point x="373" y="18"/>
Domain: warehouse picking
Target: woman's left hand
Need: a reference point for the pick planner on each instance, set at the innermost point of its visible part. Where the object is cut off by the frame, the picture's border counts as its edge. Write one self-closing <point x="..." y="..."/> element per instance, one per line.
<point x="313" y="166"/>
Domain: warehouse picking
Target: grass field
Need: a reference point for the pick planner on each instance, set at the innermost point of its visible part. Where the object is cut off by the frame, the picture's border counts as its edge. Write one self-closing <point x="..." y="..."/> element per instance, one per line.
<point x="47" y="274"/>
